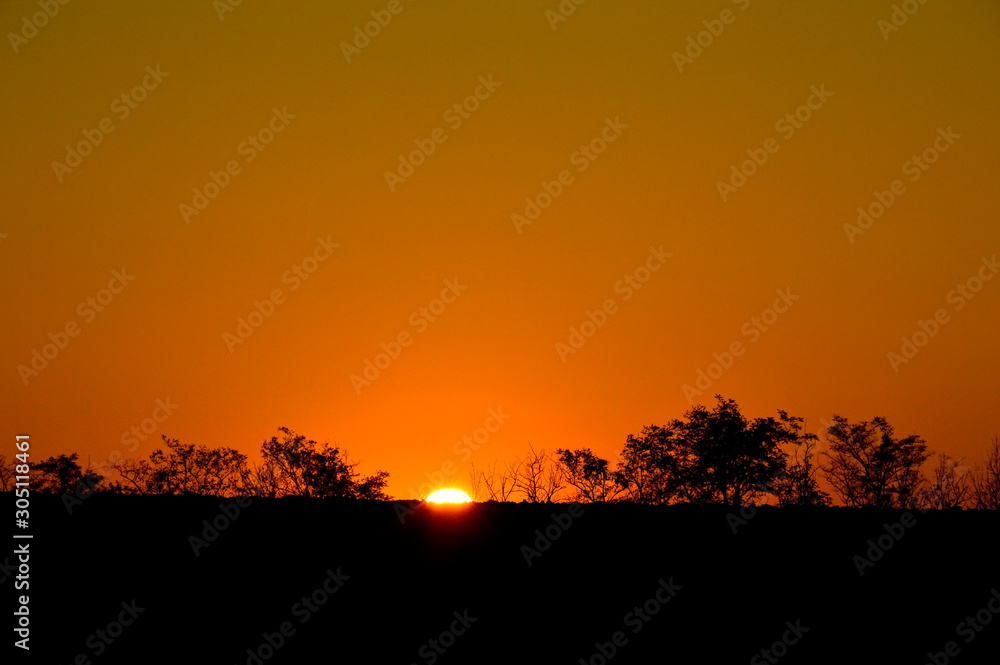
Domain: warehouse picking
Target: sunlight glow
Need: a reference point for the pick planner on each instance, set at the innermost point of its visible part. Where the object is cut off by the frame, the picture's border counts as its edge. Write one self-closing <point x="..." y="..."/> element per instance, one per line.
<point x="449" y="496"/>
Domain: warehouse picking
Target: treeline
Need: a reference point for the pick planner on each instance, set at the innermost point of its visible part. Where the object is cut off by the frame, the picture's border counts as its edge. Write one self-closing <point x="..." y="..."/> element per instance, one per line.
<point x="709" y="456"/>
<point x="718" y="456"/>
<point x="291" y="465"/>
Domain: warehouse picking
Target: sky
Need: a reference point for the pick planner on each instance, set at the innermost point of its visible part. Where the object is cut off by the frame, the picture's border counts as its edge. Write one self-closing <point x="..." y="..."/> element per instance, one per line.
<point x="593" y="204"/>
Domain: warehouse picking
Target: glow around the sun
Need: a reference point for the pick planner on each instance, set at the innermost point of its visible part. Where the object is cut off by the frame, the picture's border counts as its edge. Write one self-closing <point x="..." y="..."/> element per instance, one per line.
<point x="449" y="496"/>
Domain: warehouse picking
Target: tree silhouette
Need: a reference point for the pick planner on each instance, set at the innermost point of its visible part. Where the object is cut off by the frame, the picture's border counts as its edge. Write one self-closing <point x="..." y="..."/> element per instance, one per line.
<point x="644" y="467"/>
<point x="798" y="484"/>
<point x="189" y="469"/>
<point x="986" y="480"/>
<point x="296" y="466"/>
<point x="6" y="474"/>
<point x="182" y="469"/>
<point x="136" y="474"/>
<point x="261" y="480"/>
<point x="590" y="475"/>
<point x="63" y="475"/>
<point x="371" y="488"/>
<point x="290" y="466"/>
<point x="868" y="467"/>
<point x="949" y="487"/>
<point x="538" y="477"/>
<point x="495" y="482"/>
<point x="712" y="456"/>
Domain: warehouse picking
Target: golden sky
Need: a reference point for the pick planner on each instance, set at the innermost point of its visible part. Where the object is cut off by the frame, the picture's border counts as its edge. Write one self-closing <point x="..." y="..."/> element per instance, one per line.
<point x="625" y="133"/>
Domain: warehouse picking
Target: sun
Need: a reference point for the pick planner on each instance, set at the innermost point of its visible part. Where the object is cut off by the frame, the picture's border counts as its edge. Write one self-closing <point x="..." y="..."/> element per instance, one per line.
<point x="448" y="496"/>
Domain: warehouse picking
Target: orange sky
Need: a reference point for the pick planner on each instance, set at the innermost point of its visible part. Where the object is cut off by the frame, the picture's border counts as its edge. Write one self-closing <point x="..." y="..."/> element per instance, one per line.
<point x="334" y="127"/>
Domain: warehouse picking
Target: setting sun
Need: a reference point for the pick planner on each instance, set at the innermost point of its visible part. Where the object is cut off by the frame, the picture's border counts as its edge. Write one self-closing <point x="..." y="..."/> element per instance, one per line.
<point x="449" y="496"/>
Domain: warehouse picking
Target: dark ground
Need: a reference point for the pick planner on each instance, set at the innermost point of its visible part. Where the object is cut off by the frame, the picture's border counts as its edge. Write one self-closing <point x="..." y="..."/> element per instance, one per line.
<point x="405" y="582"/>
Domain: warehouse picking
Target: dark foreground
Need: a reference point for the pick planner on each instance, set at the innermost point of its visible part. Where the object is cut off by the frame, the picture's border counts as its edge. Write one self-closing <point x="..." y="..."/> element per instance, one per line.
<point x="324" y="582"/>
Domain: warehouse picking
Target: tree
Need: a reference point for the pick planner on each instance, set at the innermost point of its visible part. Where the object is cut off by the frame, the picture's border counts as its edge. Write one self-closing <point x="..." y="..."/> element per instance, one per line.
<point x="189" y="469"/>
<point x="538" y="477"/>
<point x="868" y="467"/>
<point x="590" y="475"/>
<point x="985" y="480"/>
<point x="260" y="479"/>
<point x="798" y="485"/>
<point x="372" y="488"/>
<point x="297" y="466"/>
<point x="6" y="475"/>
<point x="182" y="469"/>
<point x="712" y="456"/>
<point x="494" y="483"/>
<point x="137" y="475"/>
<point x="644" y="470"/>
<point x="949" y="488"/>
<point x="63" y="475"/>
